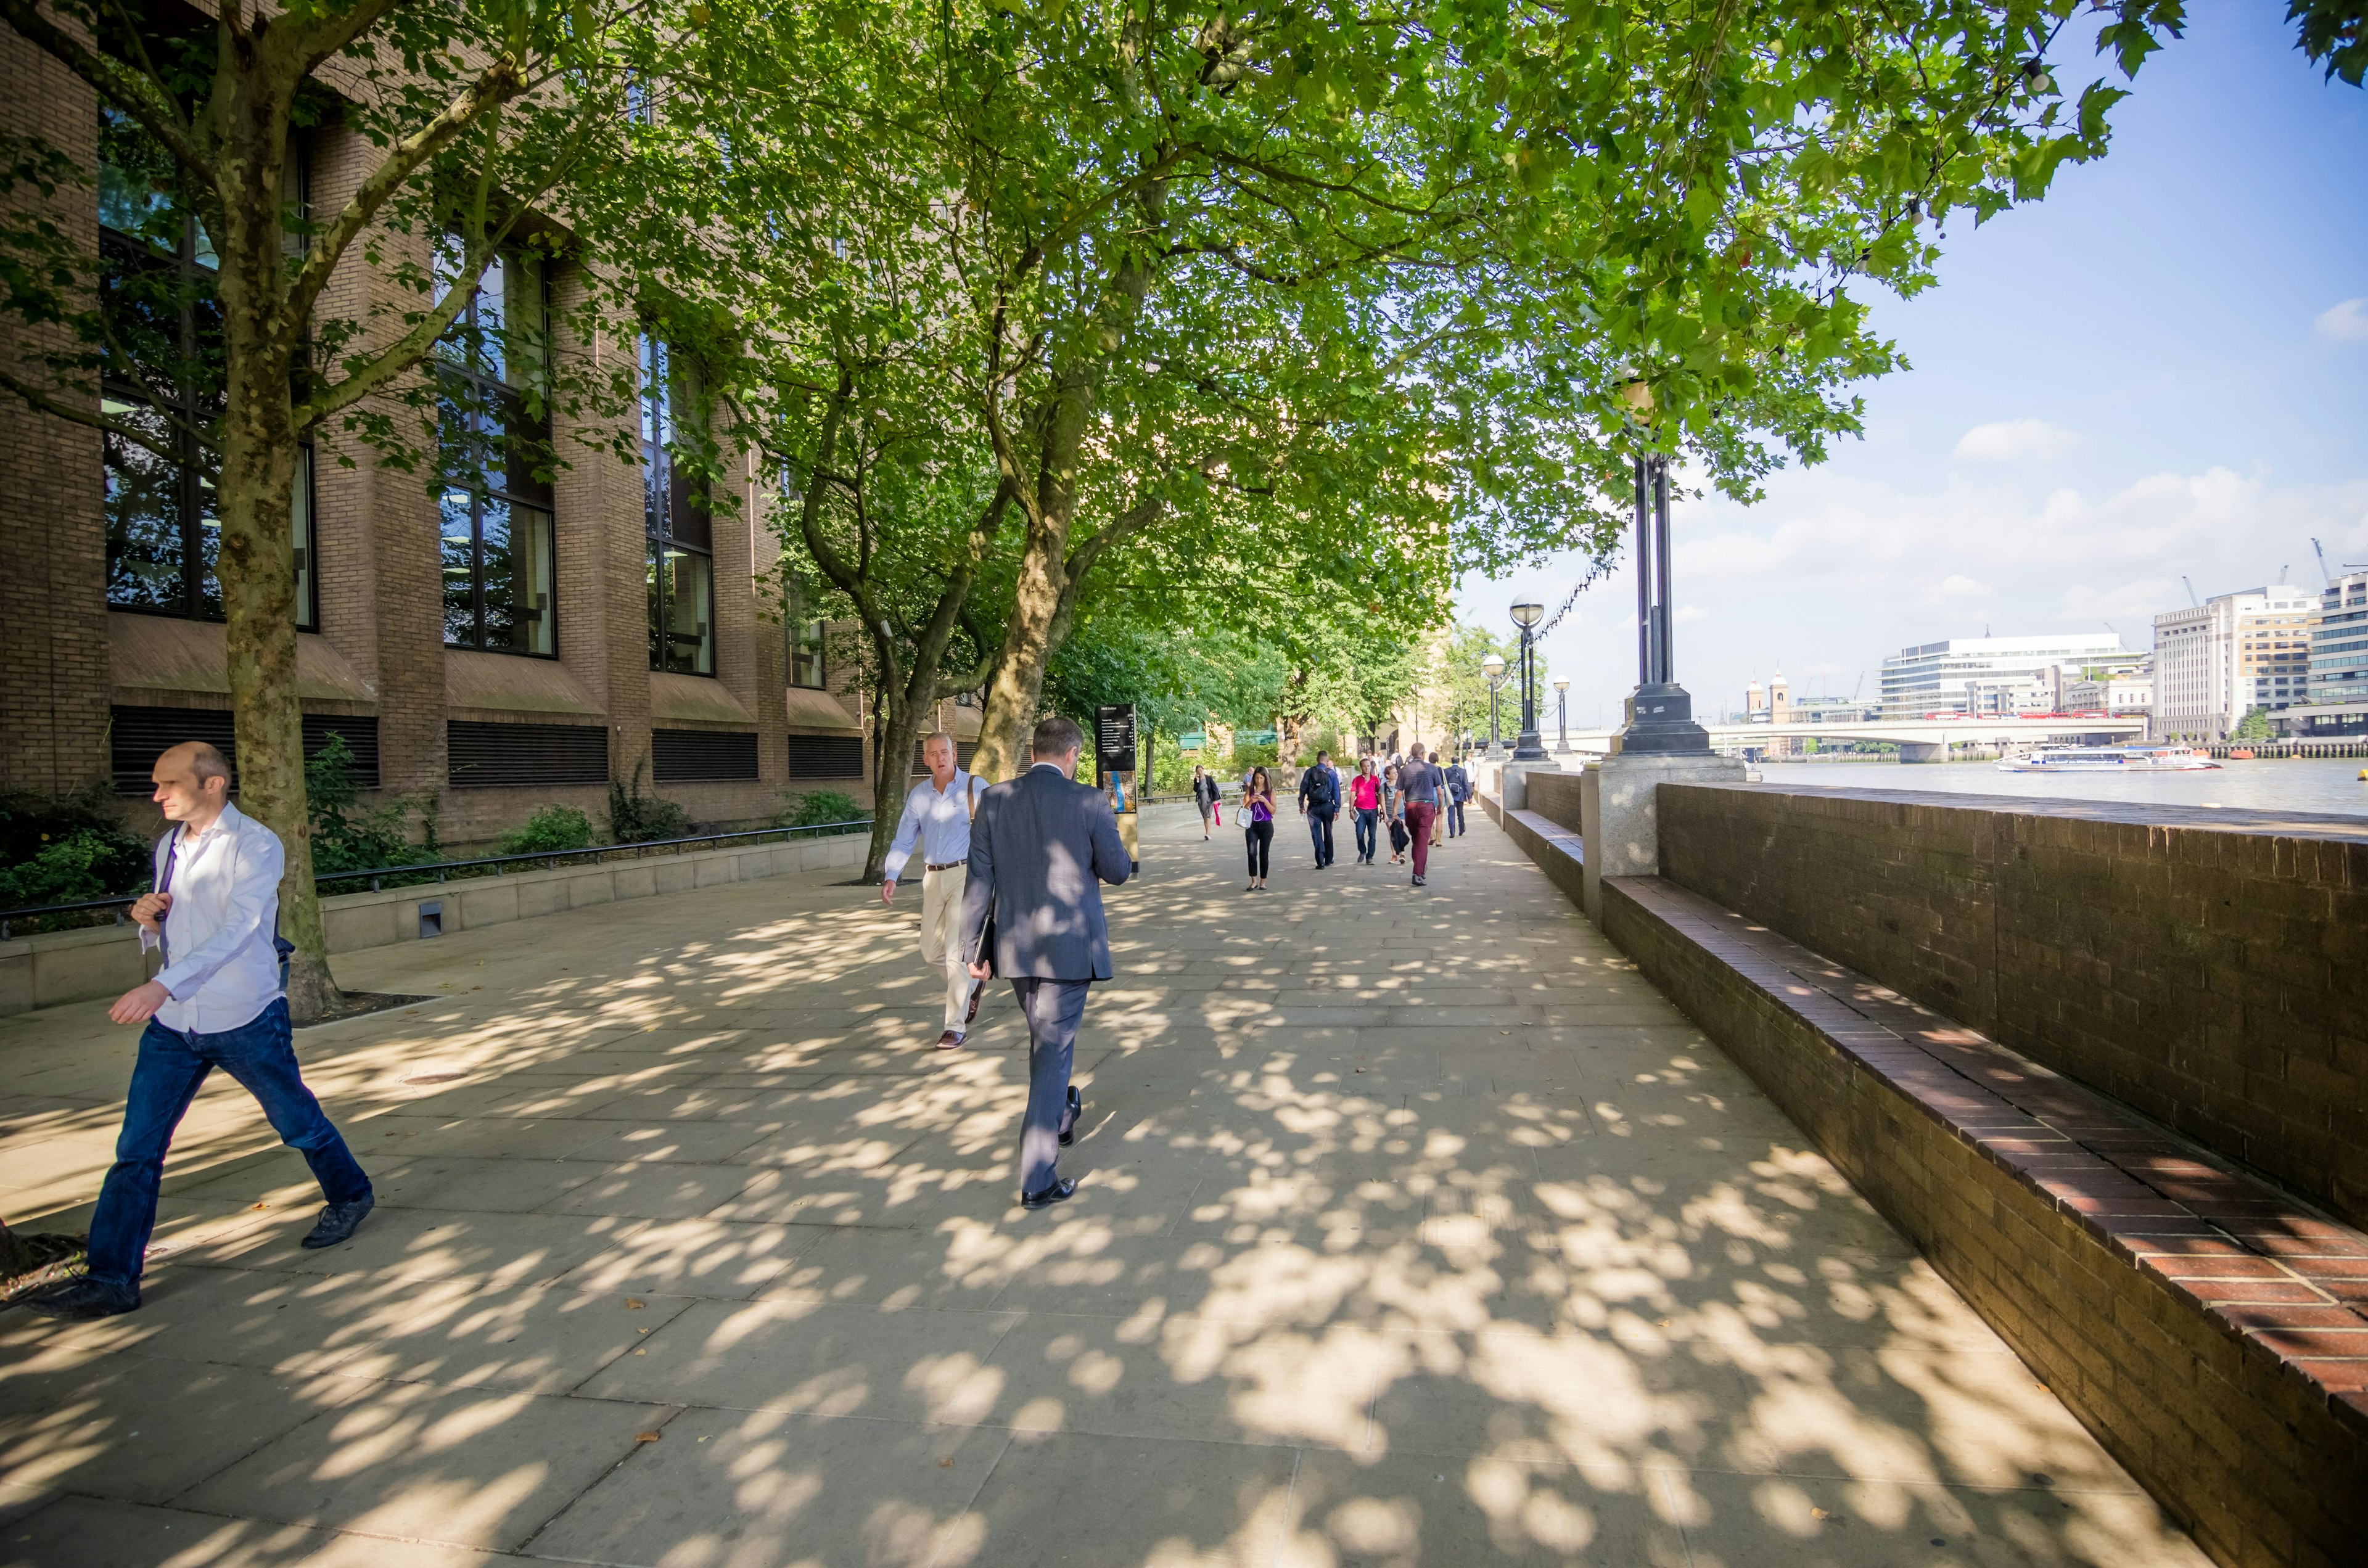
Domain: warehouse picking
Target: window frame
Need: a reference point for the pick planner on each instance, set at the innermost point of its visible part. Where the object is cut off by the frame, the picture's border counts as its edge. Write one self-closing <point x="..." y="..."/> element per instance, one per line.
<point x="500" y="418"/>
<point x="674" y="525"/>
<point x="798" y="647"/>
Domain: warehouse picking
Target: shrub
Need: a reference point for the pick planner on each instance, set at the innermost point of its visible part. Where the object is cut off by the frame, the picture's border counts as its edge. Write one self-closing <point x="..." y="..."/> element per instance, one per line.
<point x="636" y="818"/>
<point x="1245" y="757"/>
<point x="822" y="806"/>
<point x="552" y="827"/>
<point x="346" y="837"/>
<point x="66" y="848"/>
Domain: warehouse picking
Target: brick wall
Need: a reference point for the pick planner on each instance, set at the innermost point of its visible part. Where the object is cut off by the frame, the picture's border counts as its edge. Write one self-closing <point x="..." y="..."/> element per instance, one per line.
<point x="1554" y="796"/>
<point x="2208" y="969"/>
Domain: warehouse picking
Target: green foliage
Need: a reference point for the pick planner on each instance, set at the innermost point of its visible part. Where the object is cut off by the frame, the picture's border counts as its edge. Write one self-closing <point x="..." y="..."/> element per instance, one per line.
<point x="636" y="818"/>
<point x="347" y="837"/>
<point x="552" y="827"/>
<point x="821" y="807"/>
<point x="2335" y="31"/>
<point x="1456" y="680"/>
<point x="2253" y="726"/>
<point x="67" y="848"/>
<point x="1247" y="756"/>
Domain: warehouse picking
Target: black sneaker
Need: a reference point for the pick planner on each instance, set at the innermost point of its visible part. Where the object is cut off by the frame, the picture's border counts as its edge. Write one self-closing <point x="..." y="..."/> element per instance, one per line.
<point x="78" y="1299"/>
<point x="338" y="1221"/>
<point x="1059" y="1192"/>
<point x="1417" y="881"/>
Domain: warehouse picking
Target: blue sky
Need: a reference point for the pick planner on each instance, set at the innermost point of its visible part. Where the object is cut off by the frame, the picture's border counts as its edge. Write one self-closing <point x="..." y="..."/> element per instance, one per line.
<point x="2154" y="372"/>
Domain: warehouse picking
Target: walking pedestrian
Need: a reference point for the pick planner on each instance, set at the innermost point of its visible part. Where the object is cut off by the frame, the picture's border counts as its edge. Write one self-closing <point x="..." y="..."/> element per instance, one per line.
<point x="1257" y="810"/>
<point x="217" y="1001"/>
<point x="1459" y="790"/>
<point x="1365" y="799"/>
<point x="938" y="815"/>
<point x="1419" y="785"/>
<point x="1319" y="803"/>
<point x="1040" y="844"/>
<point x="1204" y="794"/>
<point x="1392" y="814"/>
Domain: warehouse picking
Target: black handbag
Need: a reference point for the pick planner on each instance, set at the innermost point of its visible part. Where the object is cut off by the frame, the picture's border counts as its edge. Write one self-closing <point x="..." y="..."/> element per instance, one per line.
<point x="1399" y="838"/>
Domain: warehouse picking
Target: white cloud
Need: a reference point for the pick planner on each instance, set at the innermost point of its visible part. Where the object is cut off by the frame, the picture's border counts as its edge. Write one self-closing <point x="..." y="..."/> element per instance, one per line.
<point x="2018" y="441"/>
<point x="1691" y="612"/>
<point x="2345" y="323"/>
<point x="1956" y="585"/>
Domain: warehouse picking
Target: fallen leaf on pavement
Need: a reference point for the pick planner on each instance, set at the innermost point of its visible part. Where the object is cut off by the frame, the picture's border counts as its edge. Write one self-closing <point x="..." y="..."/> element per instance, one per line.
<point x="645" y="1437"/>
<point x="633" y="1306"/>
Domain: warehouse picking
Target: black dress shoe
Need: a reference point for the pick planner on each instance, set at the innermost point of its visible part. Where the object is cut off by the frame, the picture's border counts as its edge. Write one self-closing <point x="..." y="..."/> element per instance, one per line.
<point x="1059" y="1192"/>
<point x="338" y="1221"/>
<point x="80" y="1299"/>
<point x="1069" y="1126"/>
<point x="977" y="995"/>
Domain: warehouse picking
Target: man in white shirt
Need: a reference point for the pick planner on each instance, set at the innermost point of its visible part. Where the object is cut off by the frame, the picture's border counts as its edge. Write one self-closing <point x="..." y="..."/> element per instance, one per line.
<point x="215" y="1003"/>
<point x="938" y="816"/>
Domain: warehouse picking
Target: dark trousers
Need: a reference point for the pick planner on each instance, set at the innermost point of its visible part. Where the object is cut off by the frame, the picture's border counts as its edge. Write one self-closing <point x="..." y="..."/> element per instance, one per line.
<point x="1259" y="837"/>
<point x="1369" y="832"/>
<point x="260" y="1054"/>
<point x="1319" y="827"/>
<point x="1054" y="1009"/>
<point x="1417" y="820"/>
<point x="1454" y="819"/>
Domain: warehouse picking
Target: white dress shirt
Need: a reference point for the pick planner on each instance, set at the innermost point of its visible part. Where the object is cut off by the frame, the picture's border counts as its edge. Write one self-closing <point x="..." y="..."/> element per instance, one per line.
<point x="220" y="963"/>
<point x="938" y="819"/>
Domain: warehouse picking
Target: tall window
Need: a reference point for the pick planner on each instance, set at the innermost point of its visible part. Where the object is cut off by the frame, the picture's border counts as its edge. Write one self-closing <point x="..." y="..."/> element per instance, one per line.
<point x="681" y="537"/>
<point x="163" y="532"/>
<point x="495" y="432"/>
<point x="806" y="654"/>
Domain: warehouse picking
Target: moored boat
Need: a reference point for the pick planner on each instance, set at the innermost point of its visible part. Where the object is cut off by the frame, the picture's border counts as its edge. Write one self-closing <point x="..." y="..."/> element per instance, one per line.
<point x="2106" y="759"/>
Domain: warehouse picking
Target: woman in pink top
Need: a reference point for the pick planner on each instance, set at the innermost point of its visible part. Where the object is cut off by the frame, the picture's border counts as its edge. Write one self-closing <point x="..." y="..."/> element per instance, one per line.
<point x="1257" y="827"/>
<point x="1365" y="799"/>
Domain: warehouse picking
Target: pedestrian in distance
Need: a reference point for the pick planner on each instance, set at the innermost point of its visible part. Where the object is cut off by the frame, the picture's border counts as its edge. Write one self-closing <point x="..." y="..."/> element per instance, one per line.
<point x="1204" y="795"/>
<point x="1459" y="790"/>
<point x="938" y="816"/>
<point x="216" y="1002"/>
<point x="1257" y="811"/>
<point x="1392" y="814"/>
<point x="1319" y="803"/>
<point x="1365" y="800"/>
<point x="1421" y="790"/>
<point x="1041" y="848"/>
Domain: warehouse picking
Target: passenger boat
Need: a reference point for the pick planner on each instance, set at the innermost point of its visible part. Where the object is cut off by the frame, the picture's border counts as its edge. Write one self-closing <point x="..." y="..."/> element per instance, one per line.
<point x="2106" y="759"/>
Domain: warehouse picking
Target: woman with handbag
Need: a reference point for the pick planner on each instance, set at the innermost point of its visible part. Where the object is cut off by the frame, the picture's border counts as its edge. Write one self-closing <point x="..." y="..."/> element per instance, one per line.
<point x="1257" y="827"/>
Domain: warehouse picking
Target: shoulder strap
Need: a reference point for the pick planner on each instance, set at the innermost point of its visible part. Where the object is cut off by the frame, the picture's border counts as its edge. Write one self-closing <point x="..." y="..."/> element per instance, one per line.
<point x="970" y="796"/>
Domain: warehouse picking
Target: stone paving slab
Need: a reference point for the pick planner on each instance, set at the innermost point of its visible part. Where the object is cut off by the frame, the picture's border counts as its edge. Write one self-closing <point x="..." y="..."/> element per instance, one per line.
<point x="1415" y="1229"/>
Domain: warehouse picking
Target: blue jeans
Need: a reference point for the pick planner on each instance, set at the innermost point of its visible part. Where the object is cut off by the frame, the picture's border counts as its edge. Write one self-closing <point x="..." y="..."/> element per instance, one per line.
<point x="1369" y="833"/>
<point x="261" y="1055"/>
<point x="1319" y="828"/>
<point x="1454" y="819"/>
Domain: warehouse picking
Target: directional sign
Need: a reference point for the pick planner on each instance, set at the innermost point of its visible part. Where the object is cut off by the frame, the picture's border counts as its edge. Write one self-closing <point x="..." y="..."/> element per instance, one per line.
<point x="1114" y="738"/>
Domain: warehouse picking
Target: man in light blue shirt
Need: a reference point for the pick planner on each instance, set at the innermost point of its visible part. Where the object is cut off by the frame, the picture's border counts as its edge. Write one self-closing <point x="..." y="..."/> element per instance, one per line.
<point x="938" y="816"/>
<point x="215" y="1003"/>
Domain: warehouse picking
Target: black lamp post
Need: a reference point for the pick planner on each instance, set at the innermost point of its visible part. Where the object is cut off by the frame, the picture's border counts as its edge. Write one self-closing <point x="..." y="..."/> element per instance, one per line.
<point x="1562" y="715"/>
<point x="1660" y="715"/>
<point x="1492" y="668"/>
<point x="1529" y="748"/>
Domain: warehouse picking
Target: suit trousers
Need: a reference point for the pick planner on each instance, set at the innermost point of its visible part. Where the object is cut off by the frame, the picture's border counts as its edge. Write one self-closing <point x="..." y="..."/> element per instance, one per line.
<point x="1454" y="819"/>
<point x="1319" y="827"/>
<point x="1054" y="1009"/>
<point x="942" y="897"/>
<point x="1417" y="820"/>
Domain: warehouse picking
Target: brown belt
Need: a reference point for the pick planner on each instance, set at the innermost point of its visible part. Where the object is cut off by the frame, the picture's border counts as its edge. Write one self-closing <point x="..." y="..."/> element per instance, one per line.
<point x="947" y="866"/>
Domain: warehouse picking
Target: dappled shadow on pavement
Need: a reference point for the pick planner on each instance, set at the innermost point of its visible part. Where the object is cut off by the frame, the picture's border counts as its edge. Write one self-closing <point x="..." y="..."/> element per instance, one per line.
<point x="1413" y="1228"/>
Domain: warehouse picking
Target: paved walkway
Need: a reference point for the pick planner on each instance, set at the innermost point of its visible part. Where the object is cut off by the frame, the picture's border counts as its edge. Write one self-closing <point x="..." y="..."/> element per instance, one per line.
<point x="1415" y="1229"/>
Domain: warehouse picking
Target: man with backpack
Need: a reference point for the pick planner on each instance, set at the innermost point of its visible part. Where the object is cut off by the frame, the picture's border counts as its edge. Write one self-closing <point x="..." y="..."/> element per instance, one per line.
<point x="1319" y="803"/>
<point x="1459" y="790"/>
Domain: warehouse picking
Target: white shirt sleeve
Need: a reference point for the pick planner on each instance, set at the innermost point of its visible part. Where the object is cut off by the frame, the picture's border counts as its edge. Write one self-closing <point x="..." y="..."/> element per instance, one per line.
<point x="254" y="887"/>
<point x="908" y="830"/>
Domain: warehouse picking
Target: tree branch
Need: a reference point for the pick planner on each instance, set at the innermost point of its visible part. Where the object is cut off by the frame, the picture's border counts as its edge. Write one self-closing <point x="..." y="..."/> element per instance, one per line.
<point x="116" y="83"/>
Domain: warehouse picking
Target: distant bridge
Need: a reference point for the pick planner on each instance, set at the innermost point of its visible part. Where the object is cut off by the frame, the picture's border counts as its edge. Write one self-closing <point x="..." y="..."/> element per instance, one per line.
<point x="1919" y="740"/>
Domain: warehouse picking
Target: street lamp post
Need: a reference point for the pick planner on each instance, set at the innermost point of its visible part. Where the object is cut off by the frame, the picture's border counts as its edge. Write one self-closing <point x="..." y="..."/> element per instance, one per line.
<point x="1660" y="716"/>
<point x="1562" y="715"/>
<point x="1492" y="669"/>
<point x="1528" y="747"/>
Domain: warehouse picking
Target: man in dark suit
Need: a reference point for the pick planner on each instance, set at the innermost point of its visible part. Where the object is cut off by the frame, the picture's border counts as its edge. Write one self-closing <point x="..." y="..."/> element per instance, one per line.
<point x="1458" y="792"/>
<point x="1039" y="843"/>
<point x="1319" y="803"/>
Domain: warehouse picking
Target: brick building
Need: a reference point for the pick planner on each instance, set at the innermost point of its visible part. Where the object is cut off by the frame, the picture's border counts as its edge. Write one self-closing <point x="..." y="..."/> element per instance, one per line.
<point x="485" y="638"/>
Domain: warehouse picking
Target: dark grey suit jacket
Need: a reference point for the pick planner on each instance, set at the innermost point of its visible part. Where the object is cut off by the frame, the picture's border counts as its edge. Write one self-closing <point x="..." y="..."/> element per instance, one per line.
<point x="1039" y="845"/>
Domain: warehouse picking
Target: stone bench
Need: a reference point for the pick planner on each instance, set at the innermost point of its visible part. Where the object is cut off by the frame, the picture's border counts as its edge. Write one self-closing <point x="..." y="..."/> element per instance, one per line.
<point x="2212" y="1330"/>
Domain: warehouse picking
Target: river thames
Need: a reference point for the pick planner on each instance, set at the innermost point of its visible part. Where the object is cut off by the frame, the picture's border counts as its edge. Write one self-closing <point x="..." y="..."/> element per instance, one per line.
<point x="2311" y="785"/>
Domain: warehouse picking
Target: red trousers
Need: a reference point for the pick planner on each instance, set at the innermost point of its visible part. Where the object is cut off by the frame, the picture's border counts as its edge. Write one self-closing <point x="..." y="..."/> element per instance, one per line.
<point x="1417" y="820"/>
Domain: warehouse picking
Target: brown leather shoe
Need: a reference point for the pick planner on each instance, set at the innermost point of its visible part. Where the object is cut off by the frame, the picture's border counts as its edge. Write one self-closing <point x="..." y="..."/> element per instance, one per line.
<point x="977" y="995"/>
<point x="951" y="1041"/>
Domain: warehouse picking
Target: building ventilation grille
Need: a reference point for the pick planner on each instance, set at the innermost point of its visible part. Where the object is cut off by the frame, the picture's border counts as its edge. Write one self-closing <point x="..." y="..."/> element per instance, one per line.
<point x="503" y="757"/>
<point x="702" y="756"/>
<point x="137" y="735"/>
<point x="825" y="756"/>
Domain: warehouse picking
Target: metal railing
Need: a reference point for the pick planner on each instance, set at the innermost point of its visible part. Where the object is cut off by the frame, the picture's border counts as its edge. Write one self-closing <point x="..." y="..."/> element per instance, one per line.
<point x="441" y="869"/>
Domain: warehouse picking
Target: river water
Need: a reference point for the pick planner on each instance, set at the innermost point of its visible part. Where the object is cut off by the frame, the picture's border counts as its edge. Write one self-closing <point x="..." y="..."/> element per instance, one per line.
<point x="2308" y="785"/>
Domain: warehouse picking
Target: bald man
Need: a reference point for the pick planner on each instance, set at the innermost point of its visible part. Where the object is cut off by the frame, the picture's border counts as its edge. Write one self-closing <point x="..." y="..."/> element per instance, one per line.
<point x="215" y="1003"/>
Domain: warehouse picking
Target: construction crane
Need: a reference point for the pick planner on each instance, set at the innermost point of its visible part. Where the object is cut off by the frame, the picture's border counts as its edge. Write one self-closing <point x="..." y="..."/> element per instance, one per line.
<point x="2192" y="601"/>
<point x="2324" y="575"/>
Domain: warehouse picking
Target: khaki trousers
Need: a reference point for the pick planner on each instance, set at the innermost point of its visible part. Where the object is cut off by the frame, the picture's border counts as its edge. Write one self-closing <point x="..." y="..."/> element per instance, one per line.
<point x="942" y="896"/>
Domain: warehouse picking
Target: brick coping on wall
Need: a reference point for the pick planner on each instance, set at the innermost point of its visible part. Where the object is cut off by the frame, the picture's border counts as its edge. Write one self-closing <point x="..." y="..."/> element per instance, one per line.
<point x="2205" y="1325"/>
